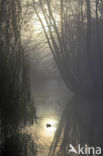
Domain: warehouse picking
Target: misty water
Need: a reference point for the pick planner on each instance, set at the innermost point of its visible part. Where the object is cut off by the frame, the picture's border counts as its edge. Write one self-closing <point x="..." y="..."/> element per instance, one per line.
<point x="50" y="98"/>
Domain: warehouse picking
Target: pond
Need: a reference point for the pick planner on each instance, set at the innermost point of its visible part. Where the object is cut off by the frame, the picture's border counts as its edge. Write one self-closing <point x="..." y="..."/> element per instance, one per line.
<point x="50" y="98"/>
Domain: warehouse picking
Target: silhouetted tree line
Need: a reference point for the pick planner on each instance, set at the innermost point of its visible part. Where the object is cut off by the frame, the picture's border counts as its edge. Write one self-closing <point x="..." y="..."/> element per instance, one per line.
<point x="16" y="105"/>
<point x="76" y="44"/>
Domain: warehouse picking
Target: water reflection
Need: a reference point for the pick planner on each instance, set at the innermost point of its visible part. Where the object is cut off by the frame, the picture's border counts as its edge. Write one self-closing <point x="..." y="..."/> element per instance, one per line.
<point x="50" y="98"/>
<point x="50" y="126"/>
<point x="80" y="123"/>
<point x="43" y="133"/>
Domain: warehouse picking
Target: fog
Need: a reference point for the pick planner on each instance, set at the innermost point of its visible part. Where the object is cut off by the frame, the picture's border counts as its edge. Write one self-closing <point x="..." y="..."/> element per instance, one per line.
<point x="51" y="77"/>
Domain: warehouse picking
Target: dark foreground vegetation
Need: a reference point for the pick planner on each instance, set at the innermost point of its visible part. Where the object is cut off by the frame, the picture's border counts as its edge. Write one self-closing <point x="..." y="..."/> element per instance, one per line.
<point x="16" y="105"/>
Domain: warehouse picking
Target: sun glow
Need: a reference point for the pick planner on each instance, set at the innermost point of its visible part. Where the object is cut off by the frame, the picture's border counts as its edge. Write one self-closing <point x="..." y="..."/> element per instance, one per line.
<point x="50" y="126"/>
<point x="38" y="26"/>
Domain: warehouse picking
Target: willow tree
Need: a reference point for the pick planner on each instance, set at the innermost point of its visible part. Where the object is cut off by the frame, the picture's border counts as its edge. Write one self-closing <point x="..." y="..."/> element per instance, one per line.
<point x="16" y="105"/>
<point x="76" y="44"/>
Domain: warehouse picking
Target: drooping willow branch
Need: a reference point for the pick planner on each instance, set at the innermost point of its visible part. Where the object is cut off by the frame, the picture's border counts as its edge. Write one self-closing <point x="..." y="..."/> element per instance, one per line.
<point x="73" y="54"/>
<point x="55" y="42"/>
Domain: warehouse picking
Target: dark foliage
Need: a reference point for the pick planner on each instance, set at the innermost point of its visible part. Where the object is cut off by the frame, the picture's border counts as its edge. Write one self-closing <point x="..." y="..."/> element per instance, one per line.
<point x="16" y="105"/>
<point x="18" y="145"/>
